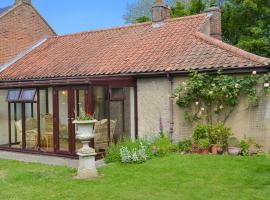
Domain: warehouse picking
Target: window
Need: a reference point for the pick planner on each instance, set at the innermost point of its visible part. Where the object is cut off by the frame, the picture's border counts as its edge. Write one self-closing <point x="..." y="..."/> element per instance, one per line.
<point x="13" y="95"/>
<point x="117" y="94"/>
<point x="28" y="95"/>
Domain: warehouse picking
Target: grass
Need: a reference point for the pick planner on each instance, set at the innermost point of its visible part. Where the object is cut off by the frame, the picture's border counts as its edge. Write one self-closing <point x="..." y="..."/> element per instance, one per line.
<point x="188" y="177"/>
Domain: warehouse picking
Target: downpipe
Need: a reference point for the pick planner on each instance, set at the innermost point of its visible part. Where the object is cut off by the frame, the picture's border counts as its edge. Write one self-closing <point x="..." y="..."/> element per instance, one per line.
<point x="170" y="80"/>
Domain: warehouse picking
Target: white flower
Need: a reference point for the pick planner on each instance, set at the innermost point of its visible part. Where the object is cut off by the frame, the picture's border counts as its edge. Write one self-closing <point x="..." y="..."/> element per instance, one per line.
<point x="254" y="72"/>
<point x="266" y="85"/>
<point x="236" y="85"/>
<point x="221" y="107"/>
<point x="197" y="103"/>
<point x="213" y="85"/>
<point x="184" y="83"/>
<point x="185" y="88"/>
<point x="210" y="92"/>
<point x="202" y="109"/>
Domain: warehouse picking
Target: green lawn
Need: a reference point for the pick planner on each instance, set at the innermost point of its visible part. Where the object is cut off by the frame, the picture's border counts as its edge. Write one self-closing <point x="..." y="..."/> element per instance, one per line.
<point x="172" y="177"/>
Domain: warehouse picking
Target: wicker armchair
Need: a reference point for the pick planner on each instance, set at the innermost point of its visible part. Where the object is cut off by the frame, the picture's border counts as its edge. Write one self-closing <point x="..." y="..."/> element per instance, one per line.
<point x="30" y="133"/>
<point x="101" y="134"/>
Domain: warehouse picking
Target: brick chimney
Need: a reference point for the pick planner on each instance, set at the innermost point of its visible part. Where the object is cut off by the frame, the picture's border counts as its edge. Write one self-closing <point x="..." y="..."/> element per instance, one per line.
<point x="22" y="1"/>
<point x="215" y="22"/>
<point x="160" y="12"/>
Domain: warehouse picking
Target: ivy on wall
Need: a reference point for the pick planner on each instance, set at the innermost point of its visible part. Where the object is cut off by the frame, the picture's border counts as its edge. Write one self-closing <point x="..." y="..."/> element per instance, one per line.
<point x="204" y="96"/>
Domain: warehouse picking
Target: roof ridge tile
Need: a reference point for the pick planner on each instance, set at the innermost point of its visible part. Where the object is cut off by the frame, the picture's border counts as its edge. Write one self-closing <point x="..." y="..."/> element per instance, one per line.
<point x="130" y="25"/>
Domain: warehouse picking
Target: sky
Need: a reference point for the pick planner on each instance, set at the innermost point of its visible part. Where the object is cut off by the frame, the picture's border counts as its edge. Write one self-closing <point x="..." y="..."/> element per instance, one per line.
<point x="69" y="16"/>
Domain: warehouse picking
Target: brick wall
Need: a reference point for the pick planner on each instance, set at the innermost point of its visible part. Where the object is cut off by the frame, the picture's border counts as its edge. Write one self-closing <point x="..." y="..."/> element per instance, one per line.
<point x="20" y="29"/>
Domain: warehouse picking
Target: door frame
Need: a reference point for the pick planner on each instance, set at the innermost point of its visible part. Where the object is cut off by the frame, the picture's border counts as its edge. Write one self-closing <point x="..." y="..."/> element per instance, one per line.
<point x="71" y="114"/>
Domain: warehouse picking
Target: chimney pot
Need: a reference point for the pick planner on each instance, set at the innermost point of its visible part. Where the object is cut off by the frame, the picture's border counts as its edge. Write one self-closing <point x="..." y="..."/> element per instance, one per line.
<point x="22" y="1"/>
<point x="160" y="12"/>
<point x="215" y="22"/>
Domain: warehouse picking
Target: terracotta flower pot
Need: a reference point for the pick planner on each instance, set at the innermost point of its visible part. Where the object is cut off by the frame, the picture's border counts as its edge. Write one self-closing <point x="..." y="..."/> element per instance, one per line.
<point x="214" y="149"/>
<point x="195" y="149"/>
<point x="204" y="151"/>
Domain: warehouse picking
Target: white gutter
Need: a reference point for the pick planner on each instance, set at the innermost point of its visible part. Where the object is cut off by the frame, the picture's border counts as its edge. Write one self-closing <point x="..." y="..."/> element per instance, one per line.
<point x="21" y="55"/>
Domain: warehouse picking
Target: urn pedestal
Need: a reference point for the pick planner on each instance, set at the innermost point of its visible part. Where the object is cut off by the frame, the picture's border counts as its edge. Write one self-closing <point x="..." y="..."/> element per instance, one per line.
<point x="85" y="132"/>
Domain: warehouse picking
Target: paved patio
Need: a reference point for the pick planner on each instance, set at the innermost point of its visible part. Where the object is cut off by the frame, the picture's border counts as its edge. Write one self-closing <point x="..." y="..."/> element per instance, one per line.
<point x="49" y="160"/>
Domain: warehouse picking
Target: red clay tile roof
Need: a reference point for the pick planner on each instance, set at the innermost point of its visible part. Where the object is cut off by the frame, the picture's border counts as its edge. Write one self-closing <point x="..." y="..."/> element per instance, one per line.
<point x="176" y="46"/>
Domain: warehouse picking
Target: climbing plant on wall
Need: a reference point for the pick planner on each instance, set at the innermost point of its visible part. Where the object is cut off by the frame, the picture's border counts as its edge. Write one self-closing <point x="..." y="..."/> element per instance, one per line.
<point x="207" y="98"/>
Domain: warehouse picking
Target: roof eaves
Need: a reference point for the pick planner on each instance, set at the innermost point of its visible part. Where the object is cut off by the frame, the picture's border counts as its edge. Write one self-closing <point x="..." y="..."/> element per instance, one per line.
<point x="235" y="50"/>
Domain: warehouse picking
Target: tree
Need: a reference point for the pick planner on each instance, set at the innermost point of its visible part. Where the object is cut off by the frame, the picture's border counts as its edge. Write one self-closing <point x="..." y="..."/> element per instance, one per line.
<point x="196" y="6"/>
<point x="142" y="8"/>
<point x="179" y="10"/>
<point x="143" y="19"/>
<point x="246" y="24"/>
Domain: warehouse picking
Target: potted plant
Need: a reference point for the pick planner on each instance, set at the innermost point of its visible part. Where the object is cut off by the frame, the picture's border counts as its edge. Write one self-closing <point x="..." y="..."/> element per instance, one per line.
<point x="213" y="138"/>
<point x="233" y="146"/>
<point x="201" y="131"/>
<point x="203" y="145"/>
<point x="85" y="130"/>
<point x="218" y="137"/>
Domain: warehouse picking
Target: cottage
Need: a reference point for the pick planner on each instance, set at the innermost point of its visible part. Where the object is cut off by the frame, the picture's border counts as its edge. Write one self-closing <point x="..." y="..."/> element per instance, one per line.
<point x="21" y="27"/>
<point x="124" y="76"/>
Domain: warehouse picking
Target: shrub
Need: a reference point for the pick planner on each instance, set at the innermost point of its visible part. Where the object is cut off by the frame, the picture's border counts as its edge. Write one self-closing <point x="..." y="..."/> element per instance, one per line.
<point x="162" y="146"/>
<point x="185" y="145"/>
<point x="219" y="134"/>
<point x="233" y="141"/>
<point x="112" y="153"/>
<point x="244" y="146"/>
<point x="125" y="147"/>
<point x="203" y="143"/>
<point x="133" y="156"/>
<point x="200" y="132"/>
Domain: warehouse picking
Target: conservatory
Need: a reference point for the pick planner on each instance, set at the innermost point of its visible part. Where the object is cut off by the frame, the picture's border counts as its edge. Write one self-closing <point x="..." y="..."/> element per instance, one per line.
<point x="38" y="119"/>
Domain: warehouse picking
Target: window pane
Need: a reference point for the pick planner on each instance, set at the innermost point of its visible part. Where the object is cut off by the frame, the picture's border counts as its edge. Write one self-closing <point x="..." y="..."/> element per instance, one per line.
<point x="28" y="95"/>
<point x="63" y="120"/>
<point x="117" y="93"/>
<point x="13" y="95"/>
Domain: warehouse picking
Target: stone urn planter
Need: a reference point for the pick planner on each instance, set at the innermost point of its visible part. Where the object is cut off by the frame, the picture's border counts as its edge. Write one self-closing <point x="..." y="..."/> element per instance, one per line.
<point x="234" y="151"/>
<point x="85" y="132"/>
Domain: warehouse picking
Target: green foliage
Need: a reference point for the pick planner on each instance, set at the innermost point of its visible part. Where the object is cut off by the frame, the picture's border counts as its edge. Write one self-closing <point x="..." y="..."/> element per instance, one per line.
<point x="113" y="151"/>
<point x="203" y="95"/>
<point x="233" y="141"/>
<point x="244" y="146"/>
<point x="138" y="151"/>
<point x="219" y="134"/>
<point x="84" y="116"/>
<point x="200" y="132"/>
<point x="215" y="134"/>
<point x="179" y="9"/>
<point x="245" y="23"/>
<point x="185" y="145"/>
<point x="162" y="146"/>
<point x="143" y="19"/>
<point x="203" y="143"/>
<point x="196" y="6"/>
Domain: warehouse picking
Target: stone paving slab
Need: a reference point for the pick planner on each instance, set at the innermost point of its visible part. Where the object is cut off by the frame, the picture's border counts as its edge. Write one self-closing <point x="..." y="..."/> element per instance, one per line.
<point x="43" y="159"/>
